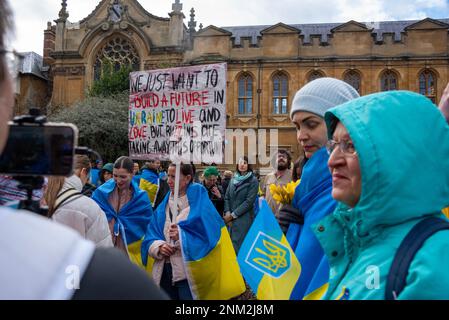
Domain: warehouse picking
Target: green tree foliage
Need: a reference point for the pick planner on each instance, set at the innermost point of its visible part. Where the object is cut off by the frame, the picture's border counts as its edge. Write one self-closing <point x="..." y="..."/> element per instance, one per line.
<point x="102" y="118"/>
<point x="102" y="123"/>
<point x="112" y="81"/>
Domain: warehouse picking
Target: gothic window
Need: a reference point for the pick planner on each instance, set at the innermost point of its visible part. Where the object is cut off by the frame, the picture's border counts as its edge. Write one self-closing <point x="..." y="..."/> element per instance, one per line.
<point x="428" y="85"/>
<point x="353" y="78"/>
<point x="280" y="93"/>
<point x="117" y="52"/>
<point x="388" y="81"/>
<point x="245" y="90"/>
<point x="315" y="75"/>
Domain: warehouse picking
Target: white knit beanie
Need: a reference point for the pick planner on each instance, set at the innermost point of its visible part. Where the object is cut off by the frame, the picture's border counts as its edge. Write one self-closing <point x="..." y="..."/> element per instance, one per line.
<point x="322" y="94"/>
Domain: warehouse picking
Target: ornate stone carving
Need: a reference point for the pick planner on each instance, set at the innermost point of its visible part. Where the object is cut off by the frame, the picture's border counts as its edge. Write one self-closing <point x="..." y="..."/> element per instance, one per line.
<point x="70" y="71"/>
<point x="124" y="25"/>
<point x="63" y="14"/>
<point x="279" y="118"/>
<point x="105" y="26"/>
<point x="177" y="7"/>
<point x="116" y="11"/>
<point x="244" y="119"/>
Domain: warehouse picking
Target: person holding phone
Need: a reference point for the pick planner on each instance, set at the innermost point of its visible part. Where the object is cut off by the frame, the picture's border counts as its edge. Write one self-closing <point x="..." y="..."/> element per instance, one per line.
<point x="214" y="189"/>
<point x="36" y="252"/>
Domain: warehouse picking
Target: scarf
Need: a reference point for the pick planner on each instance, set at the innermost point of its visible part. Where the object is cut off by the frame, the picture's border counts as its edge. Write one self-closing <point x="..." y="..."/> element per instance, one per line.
<point x="238" y="179"/>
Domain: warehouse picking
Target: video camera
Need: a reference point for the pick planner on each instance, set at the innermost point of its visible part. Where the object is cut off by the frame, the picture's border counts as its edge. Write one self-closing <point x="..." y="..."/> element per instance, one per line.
<point x="37" y="148"/>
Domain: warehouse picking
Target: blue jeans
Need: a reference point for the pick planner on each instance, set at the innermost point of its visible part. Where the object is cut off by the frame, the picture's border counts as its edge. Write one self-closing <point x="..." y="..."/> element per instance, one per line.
<point x="180" y="290"/>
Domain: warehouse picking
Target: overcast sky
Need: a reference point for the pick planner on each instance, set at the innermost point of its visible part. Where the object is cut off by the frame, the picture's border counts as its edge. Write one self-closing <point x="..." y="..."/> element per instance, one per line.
<point x="31" y="16"/>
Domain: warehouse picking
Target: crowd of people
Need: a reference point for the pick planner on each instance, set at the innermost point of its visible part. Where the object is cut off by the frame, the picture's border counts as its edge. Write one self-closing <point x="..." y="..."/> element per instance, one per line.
<point x="374" y="178"/>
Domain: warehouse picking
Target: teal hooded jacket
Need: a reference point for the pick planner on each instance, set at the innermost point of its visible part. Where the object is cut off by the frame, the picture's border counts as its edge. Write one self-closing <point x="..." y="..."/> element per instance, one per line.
<point x="402" y="142"/>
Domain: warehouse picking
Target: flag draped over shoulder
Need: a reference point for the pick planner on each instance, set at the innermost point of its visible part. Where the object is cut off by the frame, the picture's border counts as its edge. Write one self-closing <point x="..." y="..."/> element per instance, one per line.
<point x="149" y="182"/>
<point x="136" y="179"/>
<point x="132" y="220"/>
<point x="266" y="258"/>
<point x="314" y="201"/>
<point x="155" y="230"/>
<point x="317" y="288"/>
<point x="209" y="257"/>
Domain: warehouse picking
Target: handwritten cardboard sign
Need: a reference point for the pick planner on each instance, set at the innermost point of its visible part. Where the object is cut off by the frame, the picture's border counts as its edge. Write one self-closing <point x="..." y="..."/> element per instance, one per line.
<point x="178" y="114"/>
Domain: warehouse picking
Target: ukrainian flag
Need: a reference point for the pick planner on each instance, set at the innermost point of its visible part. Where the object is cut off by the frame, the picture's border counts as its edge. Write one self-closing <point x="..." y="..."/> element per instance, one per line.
<point x="209" y="257"/>
<point x="446" y="212"/>
<point x="132" y="220"/>
<point x="266" y="259"/>
<point x="313" y="199"/>
<point x="149" y="182"/>
<point x="318" y="286"/>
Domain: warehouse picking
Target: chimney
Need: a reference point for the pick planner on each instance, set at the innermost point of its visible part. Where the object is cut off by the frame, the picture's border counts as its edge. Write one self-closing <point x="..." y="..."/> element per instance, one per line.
<point x="49" y="44"/>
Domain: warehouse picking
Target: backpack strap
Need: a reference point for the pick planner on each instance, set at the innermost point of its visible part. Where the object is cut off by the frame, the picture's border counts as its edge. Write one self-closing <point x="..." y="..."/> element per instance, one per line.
<point x="408" y="248"/>
<point x="65" y="196"/>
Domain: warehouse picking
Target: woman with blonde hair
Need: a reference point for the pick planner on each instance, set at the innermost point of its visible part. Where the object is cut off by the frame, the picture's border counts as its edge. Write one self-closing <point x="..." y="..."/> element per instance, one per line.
<point x="67" y="205"/>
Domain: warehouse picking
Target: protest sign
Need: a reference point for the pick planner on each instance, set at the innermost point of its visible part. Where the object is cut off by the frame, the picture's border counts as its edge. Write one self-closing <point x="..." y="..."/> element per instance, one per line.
<point x="178" y="114"/>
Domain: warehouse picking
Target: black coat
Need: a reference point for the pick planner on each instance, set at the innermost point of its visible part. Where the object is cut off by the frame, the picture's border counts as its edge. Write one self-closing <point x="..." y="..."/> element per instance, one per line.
<point x="164" y="188"/>
<point x="225" y="184"/>
<point x="217" y="202"/>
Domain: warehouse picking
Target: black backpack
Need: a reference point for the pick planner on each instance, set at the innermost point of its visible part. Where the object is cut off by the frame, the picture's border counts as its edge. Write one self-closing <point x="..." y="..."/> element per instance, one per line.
<point x="411" y="244"/>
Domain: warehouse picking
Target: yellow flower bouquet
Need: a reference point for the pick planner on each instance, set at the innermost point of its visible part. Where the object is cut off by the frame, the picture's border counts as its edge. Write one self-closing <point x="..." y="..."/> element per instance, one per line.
<point x="284" y="194"/>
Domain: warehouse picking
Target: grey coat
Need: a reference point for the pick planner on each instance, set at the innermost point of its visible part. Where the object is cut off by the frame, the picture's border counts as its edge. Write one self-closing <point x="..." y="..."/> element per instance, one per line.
<point x="240" y="200"/>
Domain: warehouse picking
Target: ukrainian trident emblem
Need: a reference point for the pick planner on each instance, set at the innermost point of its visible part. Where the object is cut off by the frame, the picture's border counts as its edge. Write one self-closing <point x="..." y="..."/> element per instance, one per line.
<point x="269" y="256"/>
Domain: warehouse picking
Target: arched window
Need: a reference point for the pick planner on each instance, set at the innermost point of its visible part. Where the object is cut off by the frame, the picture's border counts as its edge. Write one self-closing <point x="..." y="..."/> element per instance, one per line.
<point x="315" y="75"/>
<point x="280" y="93"/>
<point x="353" y="78"/>
<point x="245" y="89"/>
<point x="117" y="52"/>
<point x="388" y="81"/>
<point x="428" y="85"/>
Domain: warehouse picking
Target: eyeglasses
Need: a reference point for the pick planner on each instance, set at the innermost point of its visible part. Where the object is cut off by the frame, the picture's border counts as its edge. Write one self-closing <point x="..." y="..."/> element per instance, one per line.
<point x="13" y="61"/>
<point x="345" y="146"/>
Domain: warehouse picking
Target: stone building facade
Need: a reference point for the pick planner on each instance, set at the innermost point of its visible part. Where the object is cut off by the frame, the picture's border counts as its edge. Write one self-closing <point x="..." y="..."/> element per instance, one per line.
<point x="266" y="64"/>
<point x="33" y="89"/>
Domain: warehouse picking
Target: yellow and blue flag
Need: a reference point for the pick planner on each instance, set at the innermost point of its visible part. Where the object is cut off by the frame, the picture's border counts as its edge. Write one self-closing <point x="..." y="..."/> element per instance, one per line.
<point x="317" y="288"/>
<point x="446" y="212"/>
<point x="149" y="182"/>
<point x="313" y="199"/>
<point x="266" y="259"/>
<point x="131" y="221"/>
<point x="209" y="257"/>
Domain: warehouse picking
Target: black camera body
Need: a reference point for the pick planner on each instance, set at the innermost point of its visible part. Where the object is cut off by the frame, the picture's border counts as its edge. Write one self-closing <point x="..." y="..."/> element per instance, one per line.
<point x="37" y="148"/>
